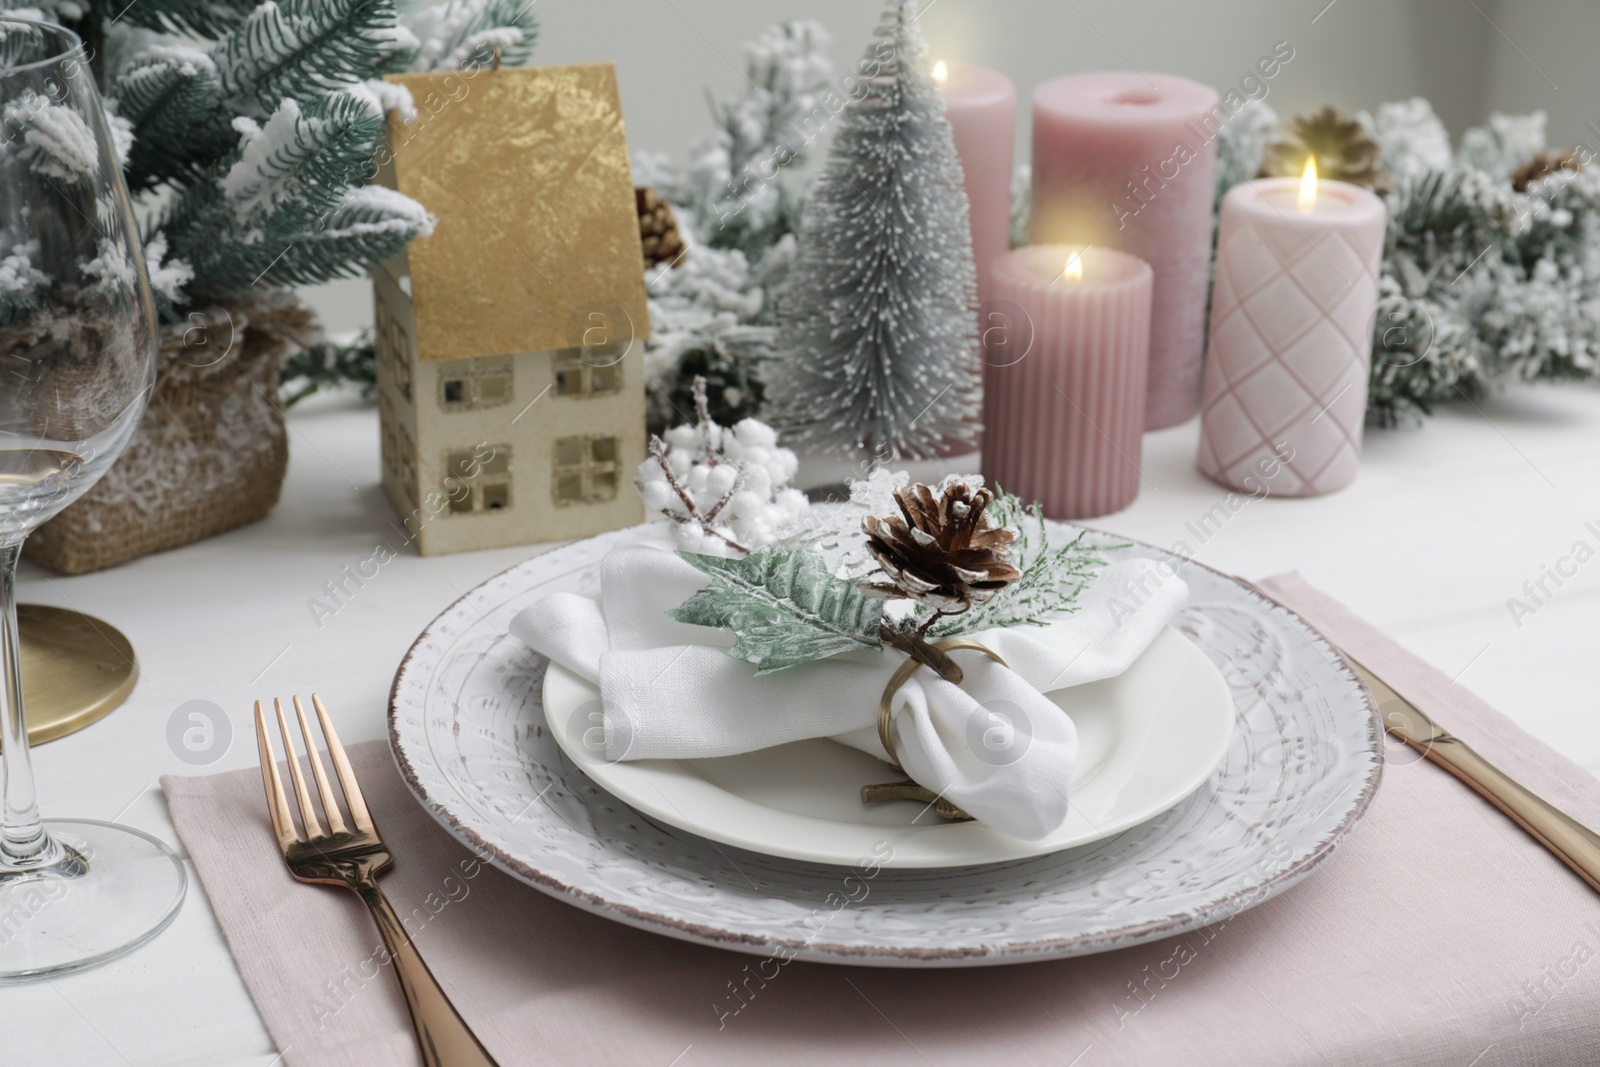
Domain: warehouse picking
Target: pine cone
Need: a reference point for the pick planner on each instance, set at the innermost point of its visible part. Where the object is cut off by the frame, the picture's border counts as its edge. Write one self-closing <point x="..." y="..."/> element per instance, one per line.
<point x="1542" y="166"/>
<point x="658" y="229"/>
<point x="944" y="553"/>
<point x="1344" y="151"/>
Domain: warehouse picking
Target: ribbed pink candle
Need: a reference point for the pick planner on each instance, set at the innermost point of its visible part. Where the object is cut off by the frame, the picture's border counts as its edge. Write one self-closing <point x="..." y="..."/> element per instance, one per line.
<point x="1291" y="336"/>
<point x="982" y="106"/>
<point x="1126" y="161"/>
<point x="1065" y="383"/>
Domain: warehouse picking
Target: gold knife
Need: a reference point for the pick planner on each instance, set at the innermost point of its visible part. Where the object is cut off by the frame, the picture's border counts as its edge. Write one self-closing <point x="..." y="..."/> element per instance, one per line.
<point x="1573" y="843"/>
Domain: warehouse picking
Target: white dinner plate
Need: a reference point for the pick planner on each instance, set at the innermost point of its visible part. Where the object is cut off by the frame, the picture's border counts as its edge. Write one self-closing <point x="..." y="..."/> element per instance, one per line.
<point x="1147" y="739"/>
<point x="468" y="729"/>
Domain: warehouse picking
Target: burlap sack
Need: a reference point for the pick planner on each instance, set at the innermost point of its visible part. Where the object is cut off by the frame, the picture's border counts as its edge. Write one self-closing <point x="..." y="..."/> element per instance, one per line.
<point x="211" y="451"/>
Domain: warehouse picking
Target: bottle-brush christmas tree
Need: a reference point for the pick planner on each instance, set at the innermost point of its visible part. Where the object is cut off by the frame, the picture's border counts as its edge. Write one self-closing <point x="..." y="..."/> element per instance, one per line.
<point x="877" y="328"/>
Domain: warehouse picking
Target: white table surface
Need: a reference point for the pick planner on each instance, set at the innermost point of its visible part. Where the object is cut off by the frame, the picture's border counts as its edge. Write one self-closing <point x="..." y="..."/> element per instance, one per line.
<point x="1444" y="525"/>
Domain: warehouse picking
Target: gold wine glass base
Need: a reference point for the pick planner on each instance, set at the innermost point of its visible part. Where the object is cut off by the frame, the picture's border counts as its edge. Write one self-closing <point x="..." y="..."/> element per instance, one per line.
<point x="75" y="670"/>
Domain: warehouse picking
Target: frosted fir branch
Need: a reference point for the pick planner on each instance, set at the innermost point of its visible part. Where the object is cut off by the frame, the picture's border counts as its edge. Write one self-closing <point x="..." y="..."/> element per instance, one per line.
<point x="198" y="18"/>
<point x="120" y="129"/>
<point x="167" y="276"/>
<point x="1053" y="579"/>
<point x="21" y="283"/>
<point x="111" y="275"/>
<point x="465" y="34"/>
<point x="269" y="159"/>
<point x="390" y="97"/>
<point x="154" y="80"/>
<point x="1506" y="141"/>
<point x="61" y="11"/>
<point x="298" y="48"/>
<point x="56" y="141"/>
<point x="283" y="179"/>
<point x="293" y="154"/>
<point x="730" y="193"/>
<point x="329" y="365"/>
<point x="370" y="224"/>
<point x="1411" y="139"/>
<point x="171" y="95"/>
<point x="1242" y="142"/>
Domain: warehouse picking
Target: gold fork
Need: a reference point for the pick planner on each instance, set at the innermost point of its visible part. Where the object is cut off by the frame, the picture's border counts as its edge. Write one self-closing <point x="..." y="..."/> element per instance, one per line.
<point x="354" y="858"/>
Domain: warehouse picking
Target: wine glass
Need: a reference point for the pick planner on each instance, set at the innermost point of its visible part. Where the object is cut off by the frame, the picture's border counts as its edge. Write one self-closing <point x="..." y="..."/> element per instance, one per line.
<point x="78" y="348"/>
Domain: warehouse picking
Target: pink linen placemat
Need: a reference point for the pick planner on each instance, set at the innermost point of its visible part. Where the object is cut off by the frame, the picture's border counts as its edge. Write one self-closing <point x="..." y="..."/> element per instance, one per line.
<point x="1439" y="934"/>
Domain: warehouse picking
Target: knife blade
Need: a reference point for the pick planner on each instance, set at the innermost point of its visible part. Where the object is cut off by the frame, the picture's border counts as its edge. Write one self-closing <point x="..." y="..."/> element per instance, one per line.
<point x="1573" y="843"/>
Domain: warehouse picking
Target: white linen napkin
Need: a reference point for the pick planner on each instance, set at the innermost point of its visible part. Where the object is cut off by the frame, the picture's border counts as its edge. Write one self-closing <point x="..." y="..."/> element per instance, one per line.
<point x="994" y="745"/>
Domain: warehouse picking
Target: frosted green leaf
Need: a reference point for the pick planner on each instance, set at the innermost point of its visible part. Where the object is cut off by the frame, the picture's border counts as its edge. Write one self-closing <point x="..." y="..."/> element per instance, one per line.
<point x="783" y="607"/>
<point x="1053" y="578"/>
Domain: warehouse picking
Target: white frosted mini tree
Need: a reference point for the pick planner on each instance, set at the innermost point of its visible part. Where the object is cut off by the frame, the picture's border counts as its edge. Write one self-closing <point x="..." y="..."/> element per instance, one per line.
<point x="877" y="331"/>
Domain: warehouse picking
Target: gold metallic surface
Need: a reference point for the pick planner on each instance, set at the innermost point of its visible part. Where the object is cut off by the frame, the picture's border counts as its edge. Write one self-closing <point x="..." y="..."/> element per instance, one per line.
<point x="909" y="790"/>
<point x="1573" y="843"/>
<point x="515" y="265"/>
<point x="76" y="669"/>
<point x="354" y="859"/>
<point x="901" y="676"/>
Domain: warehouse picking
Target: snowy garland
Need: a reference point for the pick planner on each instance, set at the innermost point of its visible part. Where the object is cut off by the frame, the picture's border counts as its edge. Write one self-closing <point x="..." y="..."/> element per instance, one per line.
<point x="1481" y="283"/>
<point x="712" y="314"/>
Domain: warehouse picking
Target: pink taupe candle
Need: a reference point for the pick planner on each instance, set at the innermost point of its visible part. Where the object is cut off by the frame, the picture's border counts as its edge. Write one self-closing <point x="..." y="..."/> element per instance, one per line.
<point x="1065" y="377"/>
<point x="1291" y="333"/>
<point x="982" y="108"/>
<point x="1126" y="161"/>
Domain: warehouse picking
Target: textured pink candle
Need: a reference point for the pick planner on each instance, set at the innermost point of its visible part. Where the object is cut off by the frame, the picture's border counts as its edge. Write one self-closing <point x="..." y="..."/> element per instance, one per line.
<point x="1291" y="336"/>
<point x="1125" y="161"/>
<point x="1064" y="388"/>
<point x="982" y="106"/>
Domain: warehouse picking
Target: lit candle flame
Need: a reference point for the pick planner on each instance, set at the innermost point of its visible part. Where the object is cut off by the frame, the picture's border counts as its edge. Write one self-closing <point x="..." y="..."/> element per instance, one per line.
<point x="940" y="72"/>
<point x="1308" y="185"/>
<point x="1074" y="271"/>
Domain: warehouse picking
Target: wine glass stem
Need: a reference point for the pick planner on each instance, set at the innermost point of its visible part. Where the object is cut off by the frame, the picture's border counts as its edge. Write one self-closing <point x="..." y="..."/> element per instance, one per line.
<point x="23" y="840"/>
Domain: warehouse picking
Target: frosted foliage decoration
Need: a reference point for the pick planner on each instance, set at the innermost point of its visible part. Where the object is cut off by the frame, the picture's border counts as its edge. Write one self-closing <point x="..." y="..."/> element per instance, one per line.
<point x="833" y="530"/>
<point x="726" y="490"/>
<point x="1410" y="137"/>
<point x="1508" y="140"/>
<point x="248" y="129"/>
<point x="877" y="331"/>
<point x="55" y="140"/>
<point x="1242" y="141"/>
<point x="1480" y="283"/>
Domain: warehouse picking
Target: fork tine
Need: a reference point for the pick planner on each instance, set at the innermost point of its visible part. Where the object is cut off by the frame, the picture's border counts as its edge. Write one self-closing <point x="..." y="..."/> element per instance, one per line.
<point x="330" y="807"/>
<point x="308" y="814"/>
<point x="277" y="803"/>
<point x="347" y="777"/>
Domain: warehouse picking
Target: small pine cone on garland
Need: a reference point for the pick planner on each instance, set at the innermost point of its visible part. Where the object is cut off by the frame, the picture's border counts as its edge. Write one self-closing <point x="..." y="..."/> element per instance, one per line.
<point x="1542" y="166"/>
<point x="942" y="552"/>
<point x="658" y="229"/>
<point x="1344" y="151"/>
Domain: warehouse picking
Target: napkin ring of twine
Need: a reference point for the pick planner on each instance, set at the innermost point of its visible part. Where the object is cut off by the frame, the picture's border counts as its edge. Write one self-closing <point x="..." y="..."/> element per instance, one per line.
<point x="909" y="790"/>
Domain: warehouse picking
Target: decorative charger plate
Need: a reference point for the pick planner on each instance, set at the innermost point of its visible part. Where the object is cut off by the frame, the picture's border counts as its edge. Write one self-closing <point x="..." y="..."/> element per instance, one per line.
<point x="1147" y="738"/>
<point x="466" y="725"/>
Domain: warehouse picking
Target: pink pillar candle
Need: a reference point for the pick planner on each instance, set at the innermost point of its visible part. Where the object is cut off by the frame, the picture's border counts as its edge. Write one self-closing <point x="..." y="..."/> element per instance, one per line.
<point x="1125" y="161"/>
<point x="1064" y="387"/>
<point x="1291" y="335"/>
<point x="982" y="107"/>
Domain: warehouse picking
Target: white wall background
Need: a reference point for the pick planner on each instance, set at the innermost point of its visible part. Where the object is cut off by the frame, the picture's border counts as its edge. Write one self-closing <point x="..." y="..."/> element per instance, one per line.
<point x="1469" y="57"/>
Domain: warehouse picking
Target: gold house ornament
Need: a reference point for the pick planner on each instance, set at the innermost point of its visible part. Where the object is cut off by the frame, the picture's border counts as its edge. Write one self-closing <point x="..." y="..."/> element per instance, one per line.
<point x="510" y="341"/>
